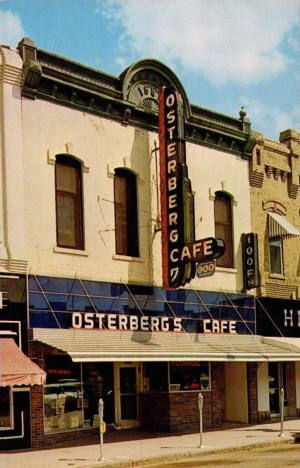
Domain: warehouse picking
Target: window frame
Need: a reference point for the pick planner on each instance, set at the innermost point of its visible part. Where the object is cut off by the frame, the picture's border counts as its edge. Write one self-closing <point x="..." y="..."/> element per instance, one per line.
<point x="228" y="226"/>
<point x="126" y="213"/>
<point x="208" y="389"/>
<point x="67" y="161"/>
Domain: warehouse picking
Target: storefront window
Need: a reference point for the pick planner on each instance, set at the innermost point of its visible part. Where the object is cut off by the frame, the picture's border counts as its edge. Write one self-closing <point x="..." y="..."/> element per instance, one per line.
<point x="62" y="395"/>
<point x="187" y="375"/>
<point x="155" y="376"/>
<point x="72" y="393"/>
<point x="5" y="412"/>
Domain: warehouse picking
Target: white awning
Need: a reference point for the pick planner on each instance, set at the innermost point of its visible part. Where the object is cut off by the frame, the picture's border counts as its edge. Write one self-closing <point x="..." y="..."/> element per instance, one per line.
<point x="279" y="226"/>
<point x="286" y="342"/>
<point x="108" y="346"/>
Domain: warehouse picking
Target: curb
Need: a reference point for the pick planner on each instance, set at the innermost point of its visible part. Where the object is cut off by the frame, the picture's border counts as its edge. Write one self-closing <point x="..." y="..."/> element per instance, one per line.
<point x="188" y="454"/>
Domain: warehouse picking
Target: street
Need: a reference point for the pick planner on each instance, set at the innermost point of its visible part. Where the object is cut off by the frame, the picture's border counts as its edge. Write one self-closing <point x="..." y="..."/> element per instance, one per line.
<point x="269" y="457"/>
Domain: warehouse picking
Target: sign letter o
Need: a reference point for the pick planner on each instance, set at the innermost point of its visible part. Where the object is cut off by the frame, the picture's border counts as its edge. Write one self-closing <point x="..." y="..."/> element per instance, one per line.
<point x="170" y="100"/>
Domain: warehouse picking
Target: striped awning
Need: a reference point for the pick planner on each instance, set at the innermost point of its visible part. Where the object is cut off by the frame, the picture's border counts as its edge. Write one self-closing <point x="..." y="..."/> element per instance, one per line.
<point x="279" y="226"/>
<point x="85" y="345"/>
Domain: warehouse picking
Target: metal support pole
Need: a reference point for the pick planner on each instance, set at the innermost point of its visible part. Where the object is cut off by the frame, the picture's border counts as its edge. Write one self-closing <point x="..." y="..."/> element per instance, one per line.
<point x="200" y="406"/>
<point x="100" y="413"/>
<point x="281" y="401"/>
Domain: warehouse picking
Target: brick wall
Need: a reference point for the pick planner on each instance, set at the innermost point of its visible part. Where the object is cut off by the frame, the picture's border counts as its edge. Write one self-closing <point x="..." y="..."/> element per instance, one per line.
<point x="252" y="392"/>
<point x="155" y="411"/>
<point x="178" y="411"/>
<point x="278" y="170"/>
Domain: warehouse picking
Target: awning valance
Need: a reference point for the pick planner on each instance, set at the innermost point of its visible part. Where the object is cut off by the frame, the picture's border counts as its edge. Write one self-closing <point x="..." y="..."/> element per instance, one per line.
<point x="16" y="368"/>
<point x="279" y="226"/>
<point x="107" y="346"/>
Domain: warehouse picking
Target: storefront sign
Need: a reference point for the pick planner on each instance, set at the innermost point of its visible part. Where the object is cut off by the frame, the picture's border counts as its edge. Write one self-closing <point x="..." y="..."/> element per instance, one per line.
<point x="278" y="317"/>
<point x="250" y="261"/>
<point x="67" y="303"/>
<point x="180" y="251"/>
<point x="219" y="326"/>
<point x="206" y="269"/>
<point x="125" y="322"/>
<point x="177" y="224"/>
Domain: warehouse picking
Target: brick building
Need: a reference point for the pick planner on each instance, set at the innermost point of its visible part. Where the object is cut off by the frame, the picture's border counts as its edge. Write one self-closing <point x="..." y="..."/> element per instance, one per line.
<point x="82" y="223"/>
<point x="275" y="213"/>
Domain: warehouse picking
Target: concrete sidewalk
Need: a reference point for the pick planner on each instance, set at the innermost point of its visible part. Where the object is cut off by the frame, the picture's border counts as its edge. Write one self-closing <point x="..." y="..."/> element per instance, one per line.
<point x="127" y="448"/>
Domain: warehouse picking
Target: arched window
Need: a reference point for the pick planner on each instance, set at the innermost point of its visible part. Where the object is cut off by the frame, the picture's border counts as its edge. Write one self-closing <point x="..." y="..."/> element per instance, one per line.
<point x="69" y="228"/>
<point x="126" y="218"/>
<point x="223" y="227"/>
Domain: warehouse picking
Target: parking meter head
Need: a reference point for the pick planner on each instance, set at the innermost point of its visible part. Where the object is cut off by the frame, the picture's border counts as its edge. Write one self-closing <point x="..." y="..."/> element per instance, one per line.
<point x="200" y="401"/>
<point x="100" y="408"/>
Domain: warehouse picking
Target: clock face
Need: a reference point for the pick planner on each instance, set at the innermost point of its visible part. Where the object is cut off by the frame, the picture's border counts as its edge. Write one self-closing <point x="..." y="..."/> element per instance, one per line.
<point x="144" y="95"/>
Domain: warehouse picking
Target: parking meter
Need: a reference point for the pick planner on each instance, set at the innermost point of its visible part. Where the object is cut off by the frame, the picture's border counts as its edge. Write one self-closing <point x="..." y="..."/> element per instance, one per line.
<point x="200" y="407"/>
<point x="281" y="401"/>
<point x="102" y="426"/>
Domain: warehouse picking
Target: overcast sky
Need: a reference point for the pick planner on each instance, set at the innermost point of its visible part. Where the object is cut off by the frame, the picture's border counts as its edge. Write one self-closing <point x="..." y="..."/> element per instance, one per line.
<point x="226" y="53"/>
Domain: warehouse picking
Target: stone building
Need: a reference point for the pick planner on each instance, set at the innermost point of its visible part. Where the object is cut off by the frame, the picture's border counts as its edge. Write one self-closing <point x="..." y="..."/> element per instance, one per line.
<point x="81" y="222"/>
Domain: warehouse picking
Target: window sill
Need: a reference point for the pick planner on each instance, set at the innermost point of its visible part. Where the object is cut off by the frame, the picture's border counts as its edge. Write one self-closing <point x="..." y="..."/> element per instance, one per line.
<point x="226" y="270"/>
<point x="126" y="258"/>
<point x="63" y="250"/>
<point x="276" y="276"/>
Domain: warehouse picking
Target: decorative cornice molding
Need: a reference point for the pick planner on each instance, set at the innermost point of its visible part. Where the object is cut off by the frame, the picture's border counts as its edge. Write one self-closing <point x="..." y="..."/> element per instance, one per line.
<point x="64" y="82"/>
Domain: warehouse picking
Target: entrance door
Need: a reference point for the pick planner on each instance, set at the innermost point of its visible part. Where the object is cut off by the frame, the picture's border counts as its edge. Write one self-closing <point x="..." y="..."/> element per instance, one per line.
<point x="127" y="395"/>
<point x="274" y="388"/>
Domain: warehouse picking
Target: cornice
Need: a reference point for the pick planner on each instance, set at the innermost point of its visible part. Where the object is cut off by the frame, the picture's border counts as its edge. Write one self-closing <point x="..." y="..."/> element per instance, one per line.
<point x="68" y="83"/>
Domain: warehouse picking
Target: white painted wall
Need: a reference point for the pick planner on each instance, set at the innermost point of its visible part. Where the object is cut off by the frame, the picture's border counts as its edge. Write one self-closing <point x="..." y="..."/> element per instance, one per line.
<point x="103" y="145"/>
<point x="236" y="394"/>
<point x="13" y="249"/>
<point x="263" y="400"/>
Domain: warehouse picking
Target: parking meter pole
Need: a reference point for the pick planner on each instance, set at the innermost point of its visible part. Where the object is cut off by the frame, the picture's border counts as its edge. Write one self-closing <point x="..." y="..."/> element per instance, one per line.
<point x="281" y="399"/>
<point x="100" y="413"/>
<point x="200" y="406"/>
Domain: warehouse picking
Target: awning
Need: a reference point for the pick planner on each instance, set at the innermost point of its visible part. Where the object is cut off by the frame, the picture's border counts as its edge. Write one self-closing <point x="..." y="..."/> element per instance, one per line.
<point x="286" y="342"/>
<point x="107" y="346"/>
<point x="16" y="368"/>
<point x="279" y="226"/>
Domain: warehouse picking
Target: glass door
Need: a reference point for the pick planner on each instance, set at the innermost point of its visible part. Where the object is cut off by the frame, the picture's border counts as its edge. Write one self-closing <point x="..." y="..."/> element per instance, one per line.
<point x="127" y="395"/>
<point x="274" y="388"/>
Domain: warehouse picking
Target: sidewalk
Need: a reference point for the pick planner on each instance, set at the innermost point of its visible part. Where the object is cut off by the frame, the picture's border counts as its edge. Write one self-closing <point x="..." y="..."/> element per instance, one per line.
<point x="126" y="448"/>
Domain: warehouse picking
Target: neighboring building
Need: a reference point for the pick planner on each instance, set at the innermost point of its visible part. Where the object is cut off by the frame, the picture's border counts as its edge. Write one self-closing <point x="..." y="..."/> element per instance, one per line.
<point x="275" y="209"/>
<point x="82" y="220"/>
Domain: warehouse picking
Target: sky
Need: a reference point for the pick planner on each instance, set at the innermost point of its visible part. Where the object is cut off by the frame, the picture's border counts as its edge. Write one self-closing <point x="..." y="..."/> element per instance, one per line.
<point x="226" y="53"/>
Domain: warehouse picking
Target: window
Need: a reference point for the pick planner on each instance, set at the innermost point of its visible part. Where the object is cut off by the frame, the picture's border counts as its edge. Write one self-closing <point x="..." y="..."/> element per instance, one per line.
<point x="258" y="157"/>
<point x="5" y="409"/>
<point x="187" y="375"/>
<point x="72" y="393"/>
<point x="69" y="227"/>
<point x="223" y="227"/>
<point x="126" y="219"/>
<point x="276" y="256"/>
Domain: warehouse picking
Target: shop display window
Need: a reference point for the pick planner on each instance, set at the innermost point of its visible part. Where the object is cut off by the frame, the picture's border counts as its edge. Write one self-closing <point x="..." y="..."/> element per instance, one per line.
<point x="62" y="395"/>
<point x="187" y="376"/>
<point x="155" y="376"/>
<point x="72" y="393"/>
<point x="5" y="408"/>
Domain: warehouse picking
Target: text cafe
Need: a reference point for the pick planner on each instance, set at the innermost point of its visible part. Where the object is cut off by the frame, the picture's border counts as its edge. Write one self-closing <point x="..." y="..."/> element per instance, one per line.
<point x="146" y="351"/>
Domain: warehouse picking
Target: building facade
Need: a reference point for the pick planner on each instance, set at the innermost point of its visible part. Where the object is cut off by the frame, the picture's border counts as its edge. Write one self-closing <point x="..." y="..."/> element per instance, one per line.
<point x="82" y="221"/>
<point x="275" y="202"/>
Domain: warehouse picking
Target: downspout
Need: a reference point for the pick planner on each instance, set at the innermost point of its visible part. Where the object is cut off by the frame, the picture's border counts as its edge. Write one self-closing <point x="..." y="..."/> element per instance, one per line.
<point x="3" y="164"/>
